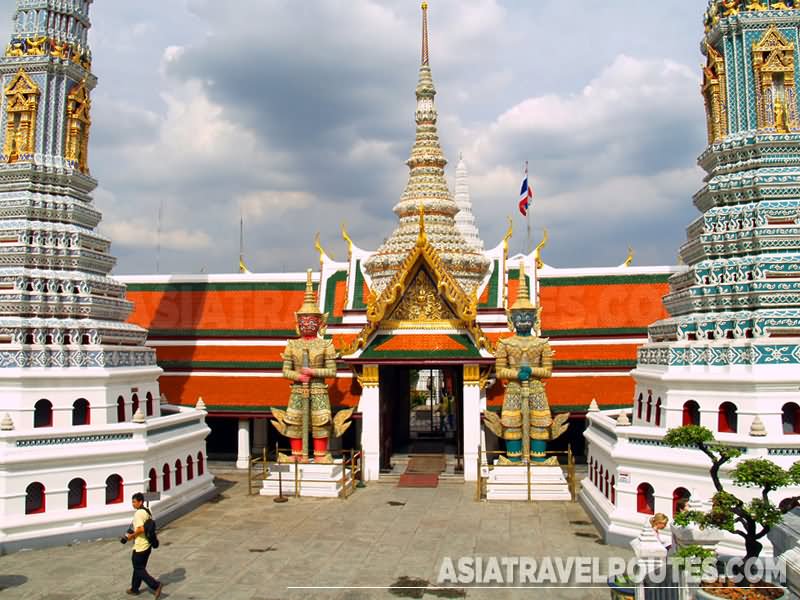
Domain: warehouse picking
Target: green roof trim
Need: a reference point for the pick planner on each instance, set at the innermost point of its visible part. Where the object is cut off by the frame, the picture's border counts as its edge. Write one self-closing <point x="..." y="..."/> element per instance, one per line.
<point x="468" y="351"/>
<point x="330" y="295"/>
<point x="604" y="280"/>
<point x="491" y="300"/>
<point x="597" y="332"/>
<point x="222" y="286"/>
<point x="226" y="333"/>
<point x="358" y="290"/>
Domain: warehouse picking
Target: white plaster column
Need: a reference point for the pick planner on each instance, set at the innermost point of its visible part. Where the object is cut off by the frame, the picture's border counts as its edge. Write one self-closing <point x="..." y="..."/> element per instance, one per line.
<point x="243" y="455"/>
<point x="471" y="405"/>
<point x="370" y="409"/>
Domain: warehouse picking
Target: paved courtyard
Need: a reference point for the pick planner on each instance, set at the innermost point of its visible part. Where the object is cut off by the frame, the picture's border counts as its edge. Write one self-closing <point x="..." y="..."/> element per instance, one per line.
<point x="243" y="547"/>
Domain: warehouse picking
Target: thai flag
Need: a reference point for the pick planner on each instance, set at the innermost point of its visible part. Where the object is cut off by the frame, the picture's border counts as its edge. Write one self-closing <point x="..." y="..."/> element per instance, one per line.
<point x="525" y="195"/>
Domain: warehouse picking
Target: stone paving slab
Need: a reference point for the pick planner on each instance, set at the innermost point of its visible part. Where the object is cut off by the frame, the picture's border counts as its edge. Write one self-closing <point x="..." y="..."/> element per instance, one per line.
<point x="244" y="547"/>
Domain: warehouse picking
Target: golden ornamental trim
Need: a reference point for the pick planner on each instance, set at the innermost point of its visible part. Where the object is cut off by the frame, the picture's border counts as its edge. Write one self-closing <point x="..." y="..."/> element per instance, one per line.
<point x="773" y="66"/>
<point x="22" y="108"/>
<point x="78" y="125"/>
<point x="422" y="256"/>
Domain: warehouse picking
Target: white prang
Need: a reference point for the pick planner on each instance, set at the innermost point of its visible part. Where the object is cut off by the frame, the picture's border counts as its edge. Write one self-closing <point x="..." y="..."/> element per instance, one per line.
<point x="465" y="219"/>
<point x="73" y="373"/>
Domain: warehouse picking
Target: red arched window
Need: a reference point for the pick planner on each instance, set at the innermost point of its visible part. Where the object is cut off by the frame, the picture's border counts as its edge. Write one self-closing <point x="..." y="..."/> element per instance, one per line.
<point x="649" y="407"/>
<point x="81" y="415"/>
<point x="645" y="499"/>
<point x="134" y="404"/>
<point x="658" y="412"/>
<point x="34" y="498"/>
<point x="114" y="490"/>
<point x="76" y="494"/>
<point x="153" y="481"/>
<point x="149" y="404"/>
<point x="43" y="413"/>
<point x="791" y="418"/>
<point x="596" y="470"/>
<point x="120" y="409"/>
<point x="189" y="468"/>
<point x="639" y="403"/>
<point x="691" y="413"/>
<point x="178" y="472"/>
<point x="679" y="494"/>
<point x="727" y="420"/>
<point x="199" y="463"/>
<point x="605" y="486"/>
<point x="165" y="477"/>
<point x="613" y="491"/>
<point x="600" y="474"/>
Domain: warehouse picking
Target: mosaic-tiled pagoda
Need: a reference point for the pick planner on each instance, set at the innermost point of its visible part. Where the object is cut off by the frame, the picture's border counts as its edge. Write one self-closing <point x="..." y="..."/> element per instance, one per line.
<point x="728" y="355"/>
<point x="427" y="188"/>
<point x="73" y="373"/>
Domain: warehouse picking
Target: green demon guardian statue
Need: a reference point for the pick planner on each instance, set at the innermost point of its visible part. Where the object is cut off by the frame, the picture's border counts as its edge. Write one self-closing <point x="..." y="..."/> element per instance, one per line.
<point x="524" y="361"/>
<point x="307" y="363"/>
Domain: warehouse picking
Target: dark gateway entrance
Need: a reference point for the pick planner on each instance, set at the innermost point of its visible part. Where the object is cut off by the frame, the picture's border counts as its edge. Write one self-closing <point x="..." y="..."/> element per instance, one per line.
<point x="421" y="411"/>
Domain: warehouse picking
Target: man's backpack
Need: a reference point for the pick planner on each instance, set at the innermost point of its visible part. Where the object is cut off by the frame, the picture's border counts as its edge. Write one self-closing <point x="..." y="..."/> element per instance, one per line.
<point x="150" y="530"/>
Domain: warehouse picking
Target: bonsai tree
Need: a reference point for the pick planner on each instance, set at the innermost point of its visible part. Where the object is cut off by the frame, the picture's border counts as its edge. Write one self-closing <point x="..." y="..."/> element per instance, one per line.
<point x="751" y="520"/>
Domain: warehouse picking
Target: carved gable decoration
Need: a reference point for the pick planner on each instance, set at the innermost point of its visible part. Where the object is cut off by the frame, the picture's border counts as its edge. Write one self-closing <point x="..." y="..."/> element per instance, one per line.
<point x="422" y="291"/>
<point x="773" y="66"/>
<point x="21" y="84"/>
<point x="422" y="303"/>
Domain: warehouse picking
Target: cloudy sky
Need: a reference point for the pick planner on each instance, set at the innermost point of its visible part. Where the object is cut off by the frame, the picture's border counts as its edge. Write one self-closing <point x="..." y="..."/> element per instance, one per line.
<point x="300" y="115"/>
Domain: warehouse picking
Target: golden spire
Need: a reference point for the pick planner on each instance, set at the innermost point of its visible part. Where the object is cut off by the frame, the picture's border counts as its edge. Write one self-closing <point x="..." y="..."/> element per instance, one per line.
<point x="425" y="33"/>
<point x="309" y="300"/>
<point x="523" y="301"/>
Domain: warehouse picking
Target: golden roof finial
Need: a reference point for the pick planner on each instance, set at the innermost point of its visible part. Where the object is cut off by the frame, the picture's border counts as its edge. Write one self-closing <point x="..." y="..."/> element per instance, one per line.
<point x="425" y="33"/>
<point x="629" y="261"/>
<point x="347" y="239"/>
<point x="523" y="301"/>
<point x="320" y="249"/>
<point x="309" y="299"/>
<point x="422" y="237"/>
<point x="537" y="253"/>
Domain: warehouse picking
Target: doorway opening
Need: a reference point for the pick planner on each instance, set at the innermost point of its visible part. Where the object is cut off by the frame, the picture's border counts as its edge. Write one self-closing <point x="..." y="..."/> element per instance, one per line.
<point x="421" y="411"/>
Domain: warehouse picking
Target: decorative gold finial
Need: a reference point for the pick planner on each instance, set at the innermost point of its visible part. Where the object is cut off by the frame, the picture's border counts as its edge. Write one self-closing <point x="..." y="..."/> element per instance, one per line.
<point x="347" y="239"/>
<point x="425" y="33"/>
<point x="523" y="301"/>
<point x="309" y="299"/>
<point x="422" y="237"/>
<point x="320" y="249"/>
<point x="629" y="260"/>
<point x="537" y="253"/>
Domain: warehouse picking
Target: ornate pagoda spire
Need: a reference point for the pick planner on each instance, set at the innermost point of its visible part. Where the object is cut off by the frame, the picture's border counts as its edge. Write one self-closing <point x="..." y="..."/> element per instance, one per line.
<point x="465" y="219"/>
<point x="427" y="187"/>
<point x="59" y="307"/>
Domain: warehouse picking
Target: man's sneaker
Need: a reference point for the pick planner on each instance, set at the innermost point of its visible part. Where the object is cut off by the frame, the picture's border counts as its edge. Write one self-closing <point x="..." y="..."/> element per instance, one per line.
<point x="157" y="591"/>
<point x="132" y="592"/>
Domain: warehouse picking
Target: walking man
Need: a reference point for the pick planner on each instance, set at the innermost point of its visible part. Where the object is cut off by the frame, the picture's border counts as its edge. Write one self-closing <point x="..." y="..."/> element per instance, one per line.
<point x="141" y="549"/>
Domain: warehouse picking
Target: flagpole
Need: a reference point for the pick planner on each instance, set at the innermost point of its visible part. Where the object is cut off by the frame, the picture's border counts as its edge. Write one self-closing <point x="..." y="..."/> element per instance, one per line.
<point x="529" y="246"/>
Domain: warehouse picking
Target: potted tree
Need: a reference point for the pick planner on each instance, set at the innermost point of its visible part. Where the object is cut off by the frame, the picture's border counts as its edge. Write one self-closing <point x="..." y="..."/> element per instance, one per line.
<point x="751" y="520"/>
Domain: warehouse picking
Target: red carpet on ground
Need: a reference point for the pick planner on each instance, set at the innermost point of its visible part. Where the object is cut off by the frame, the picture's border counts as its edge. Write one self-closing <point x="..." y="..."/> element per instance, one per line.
<point x="419" y="480"/>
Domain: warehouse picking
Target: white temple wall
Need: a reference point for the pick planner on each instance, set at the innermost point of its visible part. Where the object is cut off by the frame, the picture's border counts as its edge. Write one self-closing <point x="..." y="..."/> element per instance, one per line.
<point x="129" y="450"/>
<point x="23" y="388"/>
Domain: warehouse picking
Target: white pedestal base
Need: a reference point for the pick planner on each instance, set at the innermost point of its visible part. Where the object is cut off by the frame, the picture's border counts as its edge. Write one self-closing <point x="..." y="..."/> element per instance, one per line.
<point x="511" y="483"/>
<point x="313" y="480"/>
